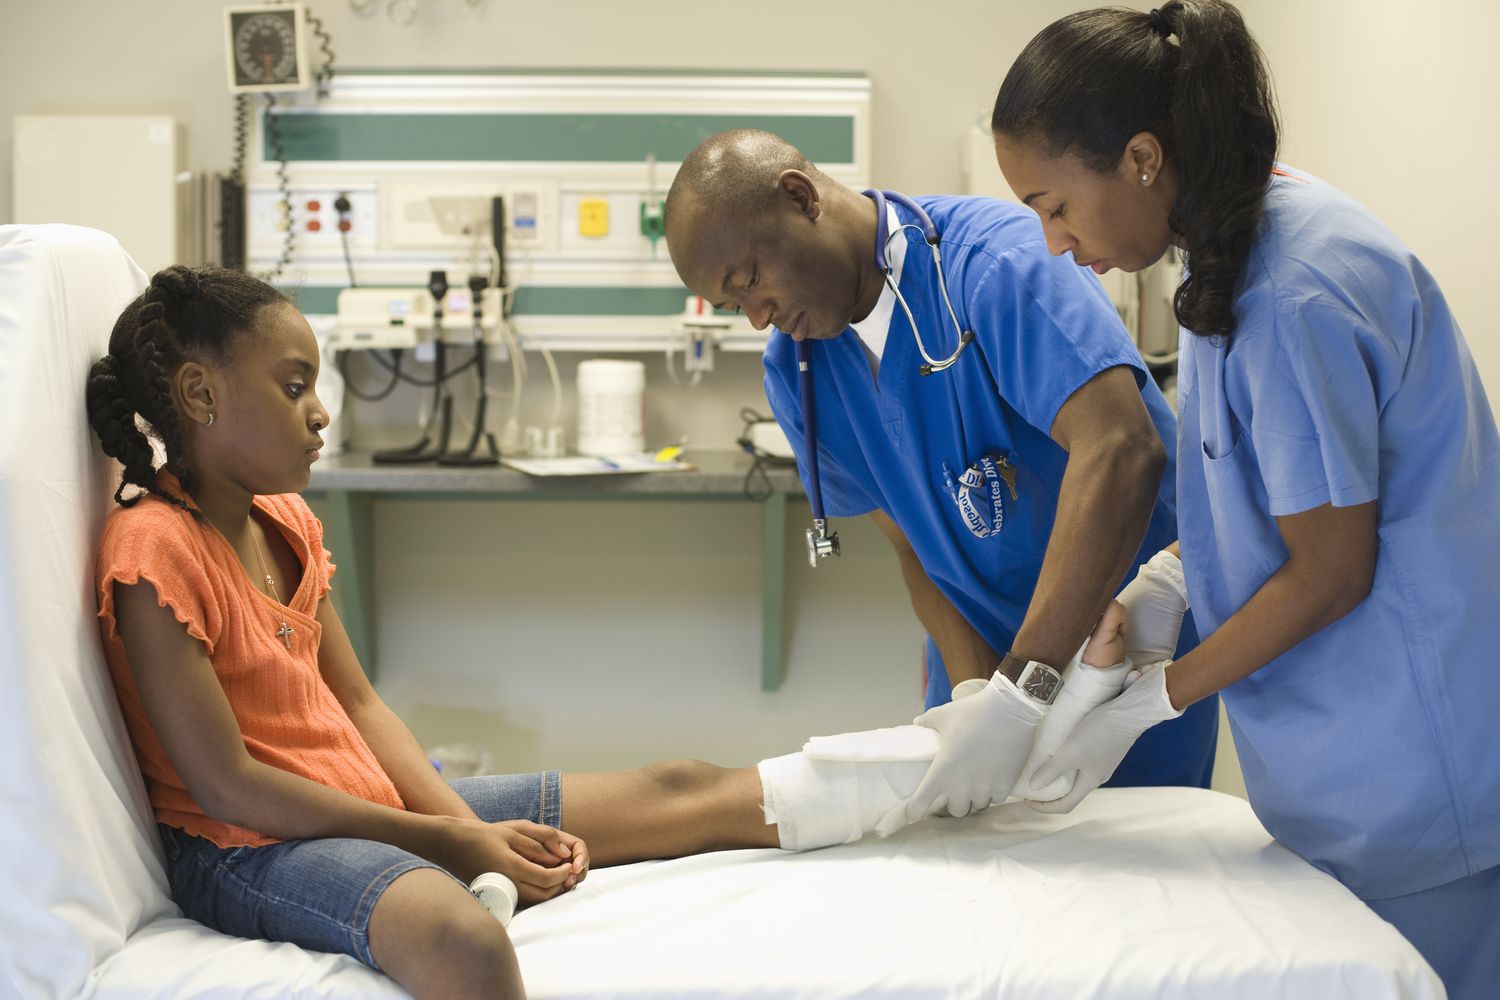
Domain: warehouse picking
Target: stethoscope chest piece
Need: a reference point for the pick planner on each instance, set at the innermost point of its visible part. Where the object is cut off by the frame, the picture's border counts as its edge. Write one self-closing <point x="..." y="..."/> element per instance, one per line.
<point x="821" y="543"/>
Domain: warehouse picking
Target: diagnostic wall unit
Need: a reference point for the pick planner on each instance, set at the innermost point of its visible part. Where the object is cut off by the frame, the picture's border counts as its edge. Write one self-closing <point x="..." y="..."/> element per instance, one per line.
<point x="576" y="156"/>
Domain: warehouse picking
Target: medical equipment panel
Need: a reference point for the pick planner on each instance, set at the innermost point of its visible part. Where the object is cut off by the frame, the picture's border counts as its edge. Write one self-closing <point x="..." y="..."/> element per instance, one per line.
<point x="582" y="162"/>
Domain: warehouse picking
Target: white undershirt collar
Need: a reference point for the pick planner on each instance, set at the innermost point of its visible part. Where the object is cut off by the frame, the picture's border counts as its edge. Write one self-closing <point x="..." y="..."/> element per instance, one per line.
<point x="874" y="328"/>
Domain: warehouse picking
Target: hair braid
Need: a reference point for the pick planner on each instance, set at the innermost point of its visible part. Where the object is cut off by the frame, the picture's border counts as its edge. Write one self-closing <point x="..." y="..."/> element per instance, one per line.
<point x="113" y="419"/>
<point x="154" y="351"/>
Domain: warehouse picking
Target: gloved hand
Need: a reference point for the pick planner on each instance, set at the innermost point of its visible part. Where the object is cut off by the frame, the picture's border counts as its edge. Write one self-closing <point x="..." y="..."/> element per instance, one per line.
<point x="983" y="741"/>
<point x="1104" y="736"/>
<point x="1155" y="602"/>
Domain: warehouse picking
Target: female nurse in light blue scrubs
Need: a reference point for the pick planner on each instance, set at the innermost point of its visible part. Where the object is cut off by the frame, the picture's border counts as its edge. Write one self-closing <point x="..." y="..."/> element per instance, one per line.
<point x="1338" y="468"/>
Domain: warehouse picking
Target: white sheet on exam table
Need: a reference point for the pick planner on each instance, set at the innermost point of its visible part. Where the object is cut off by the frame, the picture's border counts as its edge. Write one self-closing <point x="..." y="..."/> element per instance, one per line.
<point x="1161" y="893"/>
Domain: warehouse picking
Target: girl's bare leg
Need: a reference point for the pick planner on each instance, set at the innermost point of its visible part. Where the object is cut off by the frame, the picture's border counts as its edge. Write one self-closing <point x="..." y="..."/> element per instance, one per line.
<point x="666" y="810"/>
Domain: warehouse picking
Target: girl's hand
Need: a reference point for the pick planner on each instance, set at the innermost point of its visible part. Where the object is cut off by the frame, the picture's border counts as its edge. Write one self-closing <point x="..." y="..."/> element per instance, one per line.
<point x="551" y="849"/>
<point x="540" y="860"/>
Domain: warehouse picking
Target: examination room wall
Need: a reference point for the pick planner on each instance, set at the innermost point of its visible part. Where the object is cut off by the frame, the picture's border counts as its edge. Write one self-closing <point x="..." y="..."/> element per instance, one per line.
<point x="600" y="634"/>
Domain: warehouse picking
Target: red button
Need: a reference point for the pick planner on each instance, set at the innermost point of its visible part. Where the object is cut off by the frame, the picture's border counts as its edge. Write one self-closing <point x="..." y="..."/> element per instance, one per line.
<point x="314" y="205"/>
<point x="313" y="225"/>
<point x="344" y="225"/>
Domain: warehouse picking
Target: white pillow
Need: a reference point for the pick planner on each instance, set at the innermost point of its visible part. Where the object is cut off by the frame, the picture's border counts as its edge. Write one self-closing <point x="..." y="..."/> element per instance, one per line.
<point x="80" y="862"/>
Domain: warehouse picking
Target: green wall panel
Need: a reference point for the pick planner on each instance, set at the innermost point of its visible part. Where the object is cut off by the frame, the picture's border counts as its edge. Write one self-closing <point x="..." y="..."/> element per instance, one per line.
<point x="509" y="137"/>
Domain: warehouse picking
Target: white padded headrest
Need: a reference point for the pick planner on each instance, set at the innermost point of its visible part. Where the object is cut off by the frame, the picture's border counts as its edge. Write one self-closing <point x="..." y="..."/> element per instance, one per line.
<point x="80" y="864"/>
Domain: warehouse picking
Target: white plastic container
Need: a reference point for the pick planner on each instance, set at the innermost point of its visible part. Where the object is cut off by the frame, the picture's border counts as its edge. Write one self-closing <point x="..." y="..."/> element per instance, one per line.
<point x="611" y="407"/>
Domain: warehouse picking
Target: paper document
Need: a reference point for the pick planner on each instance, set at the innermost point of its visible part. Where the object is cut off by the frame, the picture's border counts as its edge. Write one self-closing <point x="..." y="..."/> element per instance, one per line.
<point x="589" y="465"/>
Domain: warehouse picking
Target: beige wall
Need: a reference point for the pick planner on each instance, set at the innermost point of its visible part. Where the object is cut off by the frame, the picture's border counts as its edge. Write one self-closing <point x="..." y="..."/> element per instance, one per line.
<point x="539" y="654"/>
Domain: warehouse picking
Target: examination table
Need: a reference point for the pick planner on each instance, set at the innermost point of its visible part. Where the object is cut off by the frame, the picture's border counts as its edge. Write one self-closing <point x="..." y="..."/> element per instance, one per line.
<point x="1138" y="893"/>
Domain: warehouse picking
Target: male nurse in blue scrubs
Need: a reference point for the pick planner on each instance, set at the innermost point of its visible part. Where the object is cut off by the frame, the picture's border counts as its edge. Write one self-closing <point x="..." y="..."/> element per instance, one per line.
<point x="1020" y="487"/>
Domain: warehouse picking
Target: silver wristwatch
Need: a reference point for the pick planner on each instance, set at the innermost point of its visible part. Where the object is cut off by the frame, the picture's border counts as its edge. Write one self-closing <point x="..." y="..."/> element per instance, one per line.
<point x="1037" y="681"/>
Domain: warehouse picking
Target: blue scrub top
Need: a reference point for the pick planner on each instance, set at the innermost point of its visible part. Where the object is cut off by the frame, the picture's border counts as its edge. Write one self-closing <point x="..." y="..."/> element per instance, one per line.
<point x="904" y="442"/>
<point x="1369" y="748"/>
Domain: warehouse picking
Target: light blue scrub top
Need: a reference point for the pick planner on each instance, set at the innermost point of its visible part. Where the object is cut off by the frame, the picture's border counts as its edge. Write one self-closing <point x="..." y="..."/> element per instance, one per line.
<point x="1370" y="748"/>
<point x="902" y="443"/>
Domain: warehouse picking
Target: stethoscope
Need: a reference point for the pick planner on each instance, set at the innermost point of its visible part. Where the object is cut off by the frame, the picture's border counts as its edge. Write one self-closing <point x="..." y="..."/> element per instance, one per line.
<point x="820" y="541"/>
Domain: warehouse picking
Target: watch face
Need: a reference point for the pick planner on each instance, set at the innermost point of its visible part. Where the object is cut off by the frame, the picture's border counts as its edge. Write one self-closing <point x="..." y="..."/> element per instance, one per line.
<point x="265" y="47"/>
<point x="1040" y="682"/>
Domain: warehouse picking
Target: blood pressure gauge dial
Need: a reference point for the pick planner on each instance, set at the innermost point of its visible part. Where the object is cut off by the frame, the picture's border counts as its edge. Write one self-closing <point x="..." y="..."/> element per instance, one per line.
<point x="267" y="48"/>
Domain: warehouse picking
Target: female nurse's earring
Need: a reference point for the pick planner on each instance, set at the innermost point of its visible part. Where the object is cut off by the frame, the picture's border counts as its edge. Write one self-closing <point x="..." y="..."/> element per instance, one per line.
<point x="1145" y="178"/>
<point x="210" y="419"/>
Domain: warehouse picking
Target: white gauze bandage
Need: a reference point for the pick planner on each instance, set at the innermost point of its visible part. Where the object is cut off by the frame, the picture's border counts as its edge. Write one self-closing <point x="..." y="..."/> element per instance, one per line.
<point x="840" y="788"/>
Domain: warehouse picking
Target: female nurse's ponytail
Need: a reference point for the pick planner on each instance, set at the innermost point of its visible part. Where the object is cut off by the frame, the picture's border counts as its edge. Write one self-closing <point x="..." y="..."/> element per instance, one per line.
<point x="1090" y="81"/>
<point x="185" y="313"/>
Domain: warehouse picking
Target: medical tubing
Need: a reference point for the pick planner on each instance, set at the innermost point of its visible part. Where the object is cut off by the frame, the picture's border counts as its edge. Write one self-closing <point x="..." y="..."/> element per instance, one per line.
<point x="370" y="396"/>
<point x="557" y="398"/>
<point x="417" y="380"/>
<point x="809" y="428"/>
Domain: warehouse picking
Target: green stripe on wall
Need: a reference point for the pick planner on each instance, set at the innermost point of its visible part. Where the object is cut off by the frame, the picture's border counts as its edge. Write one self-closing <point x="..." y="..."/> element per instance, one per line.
<point x="537" y="301"/>
<point x="569" y="138"/>
<point x="623" y="71"/>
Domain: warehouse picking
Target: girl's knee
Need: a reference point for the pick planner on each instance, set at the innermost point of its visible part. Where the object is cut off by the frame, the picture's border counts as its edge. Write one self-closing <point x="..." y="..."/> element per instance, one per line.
<point x="434" y="939"/>
<point x="685" y="777"/>
<point x="472" y="942"/>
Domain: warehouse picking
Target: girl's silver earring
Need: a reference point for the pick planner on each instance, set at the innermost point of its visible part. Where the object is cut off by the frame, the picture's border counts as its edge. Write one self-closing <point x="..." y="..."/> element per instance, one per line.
<point x="210" y="419"/>
<point x="1145" y="178"/>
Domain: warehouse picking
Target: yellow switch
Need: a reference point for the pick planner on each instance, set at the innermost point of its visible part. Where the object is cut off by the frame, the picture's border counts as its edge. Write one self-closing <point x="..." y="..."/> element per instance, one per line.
<point x="593" y="217"/>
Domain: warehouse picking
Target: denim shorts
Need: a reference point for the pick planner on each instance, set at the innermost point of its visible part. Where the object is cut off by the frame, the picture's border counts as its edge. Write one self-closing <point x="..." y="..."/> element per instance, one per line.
<point x="319" y="893"/>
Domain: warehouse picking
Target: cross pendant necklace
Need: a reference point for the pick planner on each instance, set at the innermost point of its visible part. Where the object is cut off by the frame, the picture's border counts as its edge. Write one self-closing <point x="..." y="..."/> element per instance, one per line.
<point x="284" y="632"/>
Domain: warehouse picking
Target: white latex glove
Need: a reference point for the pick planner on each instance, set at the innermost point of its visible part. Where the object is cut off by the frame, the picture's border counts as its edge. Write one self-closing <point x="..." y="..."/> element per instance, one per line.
<point x="1104" y="736"/>
<point x="983" y="741"/>
<point x="914" y="744"/>
<point x="1155" y="602"/>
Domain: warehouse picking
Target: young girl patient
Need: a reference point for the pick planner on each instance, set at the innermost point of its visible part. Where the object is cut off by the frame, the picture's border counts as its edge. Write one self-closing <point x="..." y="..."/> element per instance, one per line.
<point x="293" y="804"/>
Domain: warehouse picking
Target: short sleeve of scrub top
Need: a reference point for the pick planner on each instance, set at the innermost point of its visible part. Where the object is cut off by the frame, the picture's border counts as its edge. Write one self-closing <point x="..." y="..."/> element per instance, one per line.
<point x="1049" y="328"/>
<point x="1316" y="423"/>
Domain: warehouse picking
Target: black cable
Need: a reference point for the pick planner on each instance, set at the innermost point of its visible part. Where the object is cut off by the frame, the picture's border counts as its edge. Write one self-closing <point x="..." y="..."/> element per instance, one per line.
<point x="343" y="207"/>
<point x="757" y="486"/>
<point x="342" y="359"/>
<point x="348" y="261"/>
<point x="763" y="491"/>
<point x="425" y="382"/>
<point x="241" y="133"/>
<point x="283" y="185"/>
<point x="325" y="46"/>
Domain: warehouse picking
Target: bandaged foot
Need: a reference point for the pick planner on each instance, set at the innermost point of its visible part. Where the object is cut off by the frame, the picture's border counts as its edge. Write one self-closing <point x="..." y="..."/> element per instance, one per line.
<point x="840" y="788"/>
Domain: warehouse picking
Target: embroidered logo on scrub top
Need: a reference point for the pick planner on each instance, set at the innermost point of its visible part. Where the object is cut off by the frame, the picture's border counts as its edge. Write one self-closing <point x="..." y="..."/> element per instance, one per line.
<point x="980" y="494"/>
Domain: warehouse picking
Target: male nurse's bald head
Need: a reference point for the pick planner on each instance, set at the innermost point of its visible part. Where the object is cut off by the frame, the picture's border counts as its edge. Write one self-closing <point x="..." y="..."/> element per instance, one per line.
<point x="752" y="224"/>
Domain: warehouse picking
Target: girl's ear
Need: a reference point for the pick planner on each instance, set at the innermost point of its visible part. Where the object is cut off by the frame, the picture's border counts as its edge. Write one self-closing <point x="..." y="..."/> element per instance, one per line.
<point x="196" y="392"/>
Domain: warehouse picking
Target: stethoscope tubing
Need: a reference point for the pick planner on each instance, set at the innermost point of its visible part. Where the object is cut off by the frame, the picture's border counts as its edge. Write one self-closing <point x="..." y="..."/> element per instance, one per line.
<point x="883" y="237"/>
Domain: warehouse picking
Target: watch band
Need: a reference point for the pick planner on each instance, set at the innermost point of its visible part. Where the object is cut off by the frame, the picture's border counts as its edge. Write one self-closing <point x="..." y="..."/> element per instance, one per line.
<point x="1036" y="680"/>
